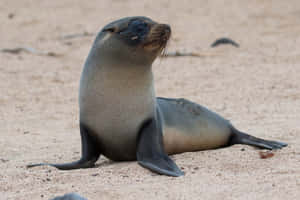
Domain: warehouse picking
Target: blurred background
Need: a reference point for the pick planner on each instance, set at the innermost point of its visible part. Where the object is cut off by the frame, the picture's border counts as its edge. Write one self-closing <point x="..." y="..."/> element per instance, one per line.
<point x="43" y="46"/>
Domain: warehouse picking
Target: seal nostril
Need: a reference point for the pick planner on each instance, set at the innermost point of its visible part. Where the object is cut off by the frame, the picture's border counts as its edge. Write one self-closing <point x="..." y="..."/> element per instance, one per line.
<point x="166" y="31"/>
<point x="167" y="28"/>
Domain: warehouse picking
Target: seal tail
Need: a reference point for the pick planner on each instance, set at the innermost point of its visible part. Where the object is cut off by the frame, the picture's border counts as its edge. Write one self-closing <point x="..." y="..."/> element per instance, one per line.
<point x="239" y="137"/>
<point x="90" y="153"/>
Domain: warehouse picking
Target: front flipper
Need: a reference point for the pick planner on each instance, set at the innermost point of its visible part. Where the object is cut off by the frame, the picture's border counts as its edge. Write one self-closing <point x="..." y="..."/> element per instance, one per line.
<point x="89" y="150"/>
<point x="151" y="153"/>
<point x="239" y="137"/>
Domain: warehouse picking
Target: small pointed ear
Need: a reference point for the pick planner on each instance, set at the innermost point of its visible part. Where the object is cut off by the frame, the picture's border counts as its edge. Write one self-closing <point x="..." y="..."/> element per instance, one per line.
<point x="110" y="29"/>
<point x="116" y="27"/>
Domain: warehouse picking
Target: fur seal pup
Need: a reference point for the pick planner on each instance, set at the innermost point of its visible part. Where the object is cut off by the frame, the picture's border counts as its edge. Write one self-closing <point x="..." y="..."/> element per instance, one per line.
<point x="120" y="116"/>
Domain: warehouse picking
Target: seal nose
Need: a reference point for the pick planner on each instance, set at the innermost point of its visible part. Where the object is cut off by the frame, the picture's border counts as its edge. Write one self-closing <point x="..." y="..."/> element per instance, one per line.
<point x="165" y="31"/>
<point x="158" y="37"/>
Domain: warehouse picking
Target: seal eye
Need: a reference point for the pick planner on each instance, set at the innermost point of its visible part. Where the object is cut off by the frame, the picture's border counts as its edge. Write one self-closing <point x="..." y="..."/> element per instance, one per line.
<point x="138" y="27"/>
<point x="135" y="32"/>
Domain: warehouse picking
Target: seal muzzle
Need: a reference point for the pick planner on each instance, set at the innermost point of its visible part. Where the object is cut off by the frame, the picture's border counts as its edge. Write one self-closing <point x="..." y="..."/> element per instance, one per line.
<point x="157" y="37"/>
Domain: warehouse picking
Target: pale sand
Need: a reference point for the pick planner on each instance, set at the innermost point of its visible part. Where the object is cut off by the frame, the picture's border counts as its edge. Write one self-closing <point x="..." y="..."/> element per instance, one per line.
<point x="256" y="86"/>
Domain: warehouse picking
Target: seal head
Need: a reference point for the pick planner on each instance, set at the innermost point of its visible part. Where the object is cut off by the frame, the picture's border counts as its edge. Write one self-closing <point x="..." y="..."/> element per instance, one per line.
<point x="144" y="39"/>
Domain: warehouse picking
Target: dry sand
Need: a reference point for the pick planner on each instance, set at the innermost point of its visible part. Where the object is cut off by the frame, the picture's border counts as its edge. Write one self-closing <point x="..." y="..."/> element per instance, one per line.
<point x="256" y="86"/>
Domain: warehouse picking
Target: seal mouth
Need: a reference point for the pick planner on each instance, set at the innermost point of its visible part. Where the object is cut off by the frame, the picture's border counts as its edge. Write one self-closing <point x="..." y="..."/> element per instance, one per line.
<point x="157" y="37"/>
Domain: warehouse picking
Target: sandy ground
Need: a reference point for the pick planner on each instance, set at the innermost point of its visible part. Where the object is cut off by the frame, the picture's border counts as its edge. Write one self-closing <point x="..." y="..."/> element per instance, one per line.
<point x="256" y="86"/>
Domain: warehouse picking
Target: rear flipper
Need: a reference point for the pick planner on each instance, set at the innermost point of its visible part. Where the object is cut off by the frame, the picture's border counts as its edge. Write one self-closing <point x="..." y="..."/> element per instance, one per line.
<point x="239" y="137"/>
<point x="90" y="153"/>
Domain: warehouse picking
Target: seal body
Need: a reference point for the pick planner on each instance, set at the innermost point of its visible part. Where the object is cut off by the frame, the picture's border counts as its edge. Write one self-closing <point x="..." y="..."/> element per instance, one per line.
<point x="191" y="127"/>
<point x="116" y="95"/>
<point x="120" y="115"/>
